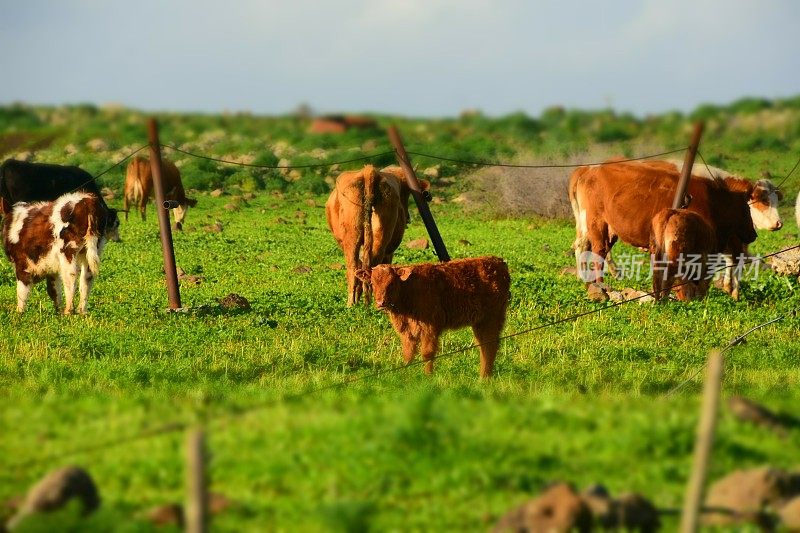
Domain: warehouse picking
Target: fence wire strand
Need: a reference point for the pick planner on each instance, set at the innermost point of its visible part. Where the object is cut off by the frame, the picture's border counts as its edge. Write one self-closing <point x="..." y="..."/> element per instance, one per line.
<point x="273" y="167"/>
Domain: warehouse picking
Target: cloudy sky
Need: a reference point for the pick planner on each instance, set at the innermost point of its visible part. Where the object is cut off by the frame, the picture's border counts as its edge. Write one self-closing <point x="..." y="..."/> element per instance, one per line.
<point x="416" y="57"/>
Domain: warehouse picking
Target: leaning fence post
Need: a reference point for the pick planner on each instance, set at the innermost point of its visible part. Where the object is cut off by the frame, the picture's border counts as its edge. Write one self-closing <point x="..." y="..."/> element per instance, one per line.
<point x="196" y="482"/>
<point x="702" y="447"/>
<point x="688" y="164"/>
<point x="167" y="249"/>
<point x="420" y="198"/>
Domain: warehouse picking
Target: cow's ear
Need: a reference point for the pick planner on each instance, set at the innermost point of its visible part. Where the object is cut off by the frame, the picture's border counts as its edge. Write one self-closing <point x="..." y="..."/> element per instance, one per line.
<point x="363" y="275"/>
<point x="424" y="185"/>
<point x="405" y="273"/>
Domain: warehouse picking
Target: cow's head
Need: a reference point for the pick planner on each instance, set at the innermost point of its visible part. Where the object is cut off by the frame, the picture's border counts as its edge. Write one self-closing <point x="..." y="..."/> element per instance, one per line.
<point x="180" y="211"/>
<point x="386" y="283"/>
<point x="111" y="231"/>
<point x="763" y="202"/>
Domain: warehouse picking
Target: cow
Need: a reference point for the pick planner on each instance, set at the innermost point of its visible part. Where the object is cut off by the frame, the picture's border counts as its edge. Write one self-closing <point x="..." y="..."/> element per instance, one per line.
<point x="680" y="244"/>
<point x="424" y="300"/>
<point x="139" y="188"/>
<point x="367" y="212"/>
<point x="21" y="181"/>
<point x="55" y="241"/>
<point x="618" y="200"/>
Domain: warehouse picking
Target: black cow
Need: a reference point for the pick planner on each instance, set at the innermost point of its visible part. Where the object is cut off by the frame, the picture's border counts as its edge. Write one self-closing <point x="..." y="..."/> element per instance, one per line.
<point x="21" y="181"/>
<point x="37" y="182"/>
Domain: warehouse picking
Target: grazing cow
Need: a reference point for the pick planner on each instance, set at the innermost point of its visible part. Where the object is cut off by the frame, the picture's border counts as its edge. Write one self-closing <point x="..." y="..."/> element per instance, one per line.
<point x="425" y="300"/>
<point x="21" y="181"/>
<point x="139" y="188"/>
<point x="56" y="241"/>
<point x="367" y="213"/>
<point x="619" y="200"/>
<point x="680" y="243"/>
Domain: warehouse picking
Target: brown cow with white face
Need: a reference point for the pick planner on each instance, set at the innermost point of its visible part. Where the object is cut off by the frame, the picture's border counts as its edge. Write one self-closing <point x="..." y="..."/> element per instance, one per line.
<point x="618" y="200"/>
<point x="367" y="213"/>
<point x="139" y="188"/>
<point x="56" y="241"/>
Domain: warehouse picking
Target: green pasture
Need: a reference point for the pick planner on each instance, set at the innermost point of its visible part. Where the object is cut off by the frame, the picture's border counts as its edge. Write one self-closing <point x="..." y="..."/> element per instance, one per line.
<point x="585" y="401"/>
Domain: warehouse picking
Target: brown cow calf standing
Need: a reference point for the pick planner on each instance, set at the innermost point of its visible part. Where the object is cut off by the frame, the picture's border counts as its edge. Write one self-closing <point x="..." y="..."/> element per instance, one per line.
<point x="681" y="236"/>
<point x="139" y="188"/>
<point x="425" y="300"/>
<point x="57" y="241"/>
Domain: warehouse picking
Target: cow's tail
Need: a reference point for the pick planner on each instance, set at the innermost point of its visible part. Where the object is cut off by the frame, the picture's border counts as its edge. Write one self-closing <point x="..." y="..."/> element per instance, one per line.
<point x="371" y="179"/>
<point x="91" y="244"/>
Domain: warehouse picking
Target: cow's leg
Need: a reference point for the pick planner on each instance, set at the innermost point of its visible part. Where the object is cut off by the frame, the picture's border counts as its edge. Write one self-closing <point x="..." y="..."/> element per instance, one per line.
<point x="69" y="275"/>
<point x="54" y="291"/>
<point x="581" y="244"/>
<point x="600" y="248"/>
<point x="87" y="279"/>
<point x="429" y="345"/>
<point x="143" y="208"/>
<point x="410" y="344"/>
<point x="180" y="214"/>
<point x="354" y="285"/>
<point x="487" y="335"/>
<point x="23" y="291"/>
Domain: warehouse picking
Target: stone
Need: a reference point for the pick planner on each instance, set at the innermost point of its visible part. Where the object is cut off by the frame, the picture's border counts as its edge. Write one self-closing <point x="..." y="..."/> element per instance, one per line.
<point x="170" y="514"/>
<point x="596" y="293"/>
<point x="464" y="242"/>
<point x="97" y="145"/>
<point x="234" y="301"/>
<point x="108" y="193"/>
<point x="249" y="196"/>
<point x="601" y="505"/>
<point x="749" y="411"/>
<point x="569" y="271"/>
<point x="231" y="207"/>
<point x="417" y="244"/>
<point x="789" y="514"/>
<point x="301" y="269"/>
<point x="294" y="175"/>
<point x="743" y="495"/>
<point x="431" y="172"/>
<point x="636" y="513"/>
<point x="284" y="164"/>
<point x="216" y="227"/>
<point x="216" y="193"/>
<point x="310" y="202"/>
<point x="55" y="490"/>
<point x="558" y="509"/>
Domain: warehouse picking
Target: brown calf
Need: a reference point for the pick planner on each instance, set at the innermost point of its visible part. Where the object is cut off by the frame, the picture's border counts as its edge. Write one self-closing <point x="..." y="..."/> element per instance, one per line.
<point x="139" y="188"/>
<point x="425" y="300"/>
<point x="57" y="240"/>
<point x="680" y="243"/>
<point x="367" y="213"/>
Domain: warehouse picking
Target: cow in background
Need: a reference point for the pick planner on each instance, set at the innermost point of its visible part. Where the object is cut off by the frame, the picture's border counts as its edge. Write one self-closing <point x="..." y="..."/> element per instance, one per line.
<point x="21" y="181"/>
<point x="425" y="300"/>
<point x="680" y="243"/>
<point x="367" y="212"/>
<point x="56" y="241"/>
<point x="139" y="188"/>
<point x="618" y="200"/>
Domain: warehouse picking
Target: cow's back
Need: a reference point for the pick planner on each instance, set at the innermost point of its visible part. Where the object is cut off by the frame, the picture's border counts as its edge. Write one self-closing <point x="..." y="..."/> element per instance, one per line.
<point x="21" y="181"/>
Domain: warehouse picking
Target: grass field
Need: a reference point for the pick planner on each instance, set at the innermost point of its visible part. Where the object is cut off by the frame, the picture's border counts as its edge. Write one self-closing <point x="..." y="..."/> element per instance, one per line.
<point x="583" y="401"/>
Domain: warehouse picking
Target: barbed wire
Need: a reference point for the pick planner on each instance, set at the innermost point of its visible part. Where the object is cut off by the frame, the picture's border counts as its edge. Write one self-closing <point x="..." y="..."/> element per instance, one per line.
<point x="273" y="167"/>
<point x="235" y="413"/>
<point x="790" y="173"/>
<point x="565" y="165"/>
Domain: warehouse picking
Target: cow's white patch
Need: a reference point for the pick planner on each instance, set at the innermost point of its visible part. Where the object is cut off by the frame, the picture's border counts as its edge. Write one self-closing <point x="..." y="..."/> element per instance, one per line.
<point x="701" y="170"/>
<point x="766" y="217"/>
<point x="18" y="215"/>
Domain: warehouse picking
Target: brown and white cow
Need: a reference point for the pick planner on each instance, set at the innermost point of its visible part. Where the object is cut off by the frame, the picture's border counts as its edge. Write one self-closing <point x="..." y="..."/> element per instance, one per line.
<point x="139" y="188"/>
<point x="680" y="244"/>
<point x="618" y="200"/>
<point x="367" y="213"/>
<point x="56" y="241"/>
<point x="425" y="300"/>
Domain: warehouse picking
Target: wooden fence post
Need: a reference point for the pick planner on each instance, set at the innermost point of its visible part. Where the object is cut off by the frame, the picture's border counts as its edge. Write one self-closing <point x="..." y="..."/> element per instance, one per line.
<point x="420" y="198"/>
<point x="688" y="163"/>
<point x="702" y="447"/>
<point x="196" y="482"/>
<point x="167" y="249"/>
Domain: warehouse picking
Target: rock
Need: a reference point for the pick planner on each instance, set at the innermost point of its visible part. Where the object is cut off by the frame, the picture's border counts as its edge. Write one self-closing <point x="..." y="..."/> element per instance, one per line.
<point x="170" y="514"/>
<point x="336" y="266"/>
<point x="231" y="207"/>
<point x="294" y="175"/>
<point x="558" y="509"/>
<point x="437" y="200"/>
<point x="786" y="263"/>
<point x="216" y="193"/>
<point x="282" y="148"/>
<point x="216" y="227"/>
<point x="790" y="514"/>
<point x="569" y="271"/>
<point x="431" y="172"/>
<point x="311" y="202"/>
<point x="55" y="490"/>
<point x="616" y="296"/>
<point x="369" y="145"/>
<point x="108" y="193"/>
<point x="301" y="269"/>
<point x="300" y="214"/>
<point x="319" y="153"/>
<point x="417" y="244"/>
<point x="97" y="145"/>
<point x="234" y="301"/>
<point x="464" y="242"/>
<point x="249" y="196"/>
<point x="601" y="505"/>
<point x="70" y="149"/>
<point x="750" y="411"/>
<point x="630" y="294"/>
<point x="636" y="513"/>
<point x="596" y="293"/>
<point x="743" y="495"/>
<point x="284" y="164"/>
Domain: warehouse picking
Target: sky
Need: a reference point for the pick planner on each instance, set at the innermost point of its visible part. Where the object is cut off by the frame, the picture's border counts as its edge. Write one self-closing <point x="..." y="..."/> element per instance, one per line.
<point x="412" y="57"/>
